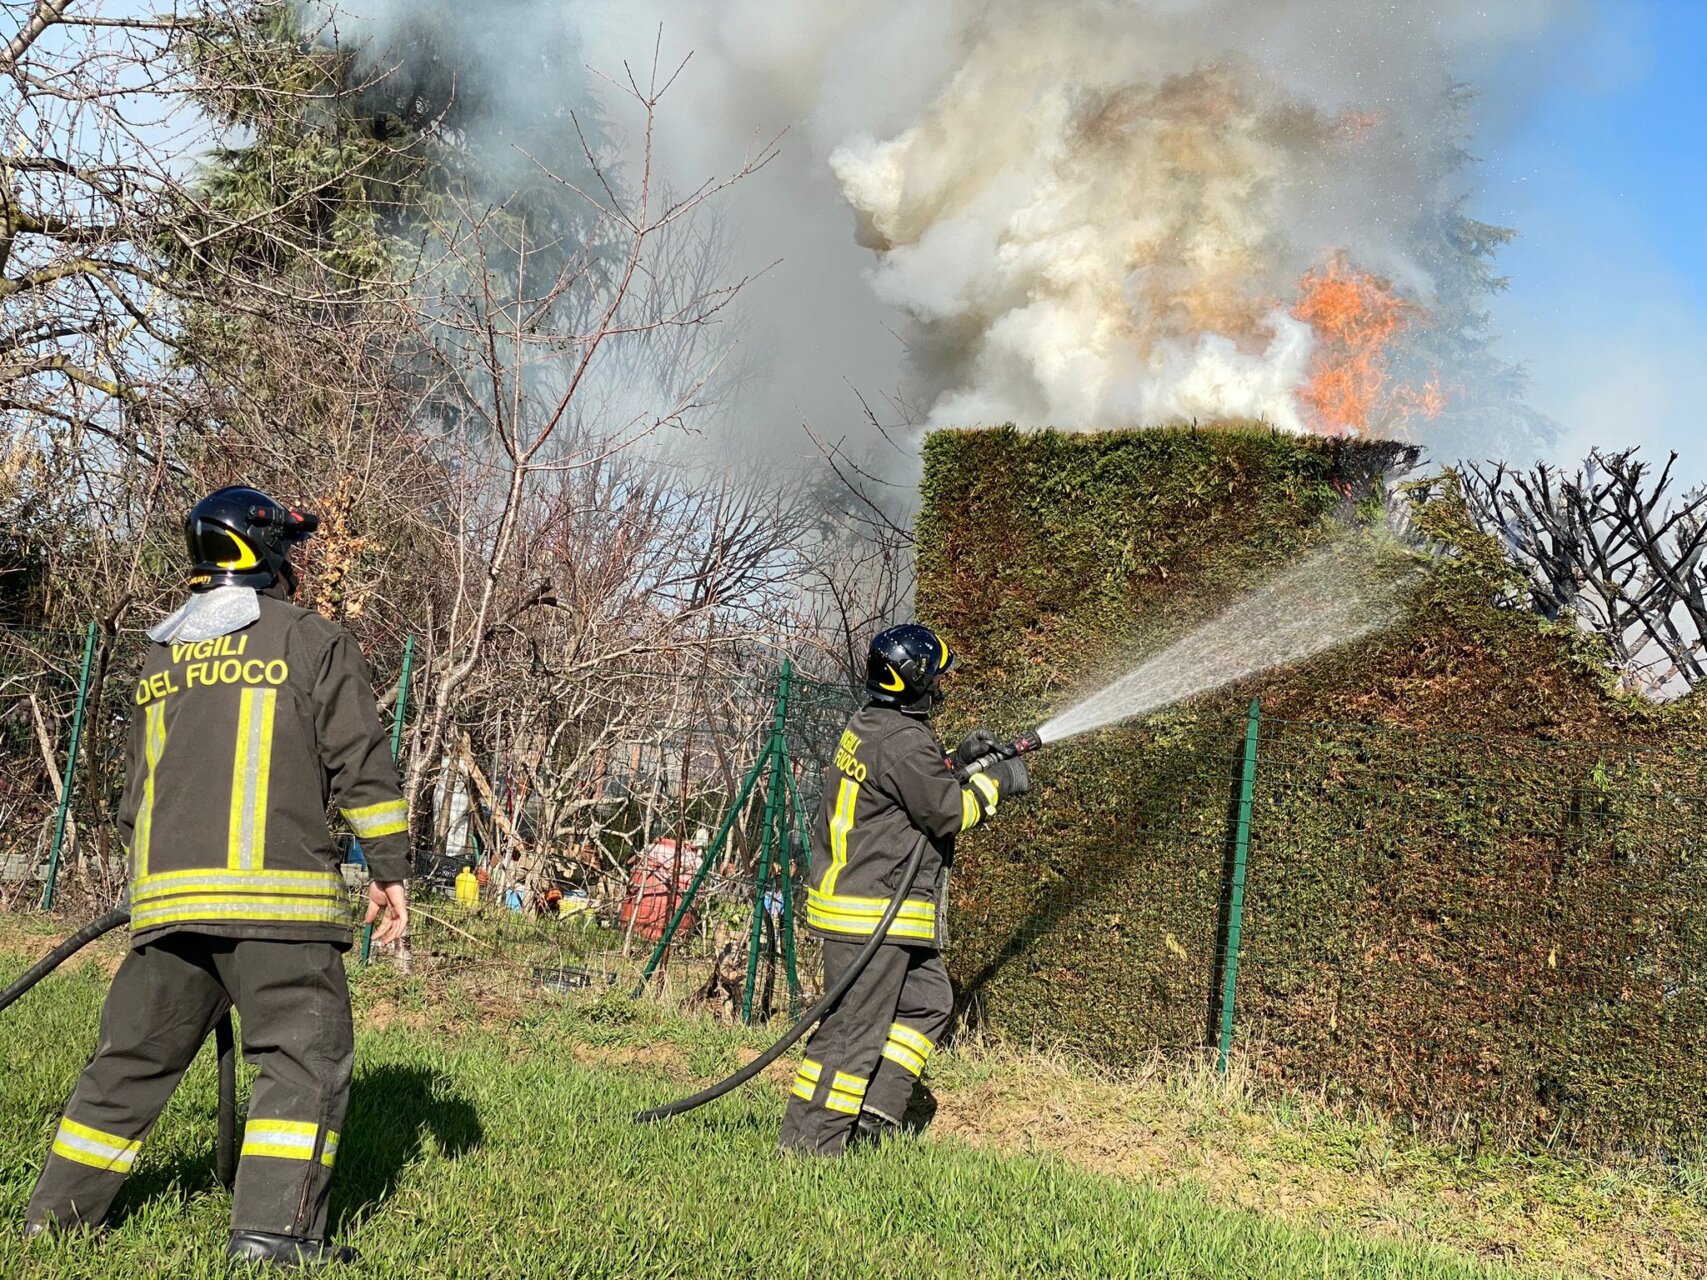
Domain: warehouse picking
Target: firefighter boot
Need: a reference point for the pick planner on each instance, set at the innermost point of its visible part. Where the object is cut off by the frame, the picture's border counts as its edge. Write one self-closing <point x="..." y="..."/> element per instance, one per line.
<point x="290" y="1252"/>
<point x="54" y="1227"/>
<point x="873" y="1130"/>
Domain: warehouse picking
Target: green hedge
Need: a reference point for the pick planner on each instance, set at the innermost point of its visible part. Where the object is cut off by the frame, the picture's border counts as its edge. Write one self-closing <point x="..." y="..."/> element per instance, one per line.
<point x="1460" y="905"/>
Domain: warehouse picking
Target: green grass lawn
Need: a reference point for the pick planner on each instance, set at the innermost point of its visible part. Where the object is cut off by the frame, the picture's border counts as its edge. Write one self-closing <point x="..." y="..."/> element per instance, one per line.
<point x="487" y="1146"/>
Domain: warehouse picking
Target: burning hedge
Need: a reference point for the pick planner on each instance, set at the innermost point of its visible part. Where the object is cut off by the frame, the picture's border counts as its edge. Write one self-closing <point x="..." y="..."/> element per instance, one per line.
<point x="1460" y="904"/>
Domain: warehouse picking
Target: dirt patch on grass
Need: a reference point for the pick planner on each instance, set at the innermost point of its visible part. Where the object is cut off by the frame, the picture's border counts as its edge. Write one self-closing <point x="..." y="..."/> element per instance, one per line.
<point x="780" y="1072"/>
<point x="106" y="953"/>
<point x="668" y="1058"/>
<point x="1618" y="1223"/>
<point x="449" y="1009"/>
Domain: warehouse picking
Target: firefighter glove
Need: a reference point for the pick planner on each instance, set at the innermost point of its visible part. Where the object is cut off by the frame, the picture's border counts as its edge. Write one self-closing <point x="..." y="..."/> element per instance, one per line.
<point x="1011" y="777"/>
<point x="980" y="742"/>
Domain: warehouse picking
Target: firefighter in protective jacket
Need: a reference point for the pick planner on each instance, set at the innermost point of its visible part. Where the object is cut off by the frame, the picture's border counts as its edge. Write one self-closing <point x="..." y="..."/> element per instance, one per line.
<point x="888" y="788"/>
<point x="250" y="716"/>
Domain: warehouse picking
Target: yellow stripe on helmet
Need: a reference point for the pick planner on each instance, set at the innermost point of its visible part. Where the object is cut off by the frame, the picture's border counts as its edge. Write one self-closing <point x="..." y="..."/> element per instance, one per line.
<point x="246" y="557"/>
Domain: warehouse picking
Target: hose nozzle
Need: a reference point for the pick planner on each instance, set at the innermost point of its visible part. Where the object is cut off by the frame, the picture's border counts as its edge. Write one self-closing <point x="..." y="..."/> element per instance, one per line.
<point x="1028" y="741"/>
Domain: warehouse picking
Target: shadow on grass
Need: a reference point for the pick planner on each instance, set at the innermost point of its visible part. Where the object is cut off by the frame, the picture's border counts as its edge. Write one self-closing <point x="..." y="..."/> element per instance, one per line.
<point x="392" y="1109"/>
<point x="179" y="1179"/>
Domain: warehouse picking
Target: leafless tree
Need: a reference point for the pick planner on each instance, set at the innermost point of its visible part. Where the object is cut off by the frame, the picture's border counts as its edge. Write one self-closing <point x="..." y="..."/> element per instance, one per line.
<point x="859" y="573"/>
<point x="110" y="240"/>
<point x="523" y="338"/>
<point x="490" y="431"/>
<point x="1612" y="545"/>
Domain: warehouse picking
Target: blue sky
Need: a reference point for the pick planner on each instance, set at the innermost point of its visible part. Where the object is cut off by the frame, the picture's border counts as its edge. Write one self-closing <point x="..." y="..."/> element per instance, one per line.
<point x="1595" y="150"/>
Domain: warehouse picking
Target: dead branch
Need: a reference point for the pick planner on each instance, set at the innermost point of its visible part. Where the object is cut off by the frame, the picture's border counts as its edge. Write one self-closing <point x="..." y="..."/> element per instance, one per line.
<point x="1610" y="545"/>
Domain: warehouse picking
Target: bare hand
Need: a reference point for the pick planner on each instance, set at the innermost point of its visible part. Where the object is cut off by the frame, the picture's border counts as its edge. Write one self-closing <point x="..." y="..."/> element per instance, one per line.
<point x="392" y="898"/>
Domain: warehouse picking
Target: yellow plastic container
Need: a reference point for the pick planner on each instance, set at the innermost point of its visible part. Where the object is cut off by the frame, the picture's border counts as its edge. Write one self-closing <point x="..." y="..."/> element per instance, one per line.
<point x="467" y="887"/>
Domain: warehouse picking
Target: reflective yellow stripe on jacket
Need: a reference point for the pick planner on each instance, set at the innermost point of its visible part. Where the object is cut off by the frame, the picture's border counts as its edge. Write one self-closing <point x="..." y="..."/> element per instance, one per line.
<point x="153" y="746"/>
<point x="975" y="807"/>
<point x="858" y="917"/>
<point x="375" y="820"/>
<point x="264" y="897"/>
<point x="841" y="823"/>
<point x="252" y="762"/>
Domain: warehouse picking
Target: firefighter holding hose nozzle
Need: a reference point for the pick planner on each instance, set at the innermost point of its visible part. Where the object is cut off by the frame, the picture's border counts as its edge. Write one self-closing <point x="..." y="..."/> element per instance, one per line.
<point x="251" y="715"/>
<point x="889" y="787"/>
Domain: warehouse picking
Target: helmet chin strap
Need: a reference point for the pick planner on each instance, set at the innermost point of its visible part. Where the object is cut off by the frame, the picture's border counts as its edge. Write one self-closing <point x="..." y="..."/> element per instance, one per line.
<point x="284" y="586"/>
<point x="934" y="696"/>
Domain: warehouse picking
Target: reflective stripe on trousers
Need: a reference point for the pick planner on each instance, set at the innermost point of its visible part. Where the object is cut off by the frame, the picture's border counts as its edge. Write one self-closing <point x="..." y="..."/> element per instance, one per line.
<point x="288" y="1140"/>
<point x="91" y="1146"/>
<point x="907" y="1049"/>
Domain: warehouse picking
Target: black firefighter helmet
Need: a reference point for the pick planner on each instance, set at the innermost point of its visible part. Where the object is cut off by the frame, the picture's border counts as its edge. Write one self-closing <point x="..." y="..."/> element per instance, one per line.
<point x="903" y="665"/>
<point x="239" y="537"/>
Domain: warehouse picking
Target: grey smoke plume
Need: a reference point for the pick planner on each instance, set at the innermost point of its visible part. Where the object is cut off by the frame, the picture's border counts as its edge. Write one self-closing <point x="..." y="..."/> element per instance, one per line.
<point x="1080" y="213"/>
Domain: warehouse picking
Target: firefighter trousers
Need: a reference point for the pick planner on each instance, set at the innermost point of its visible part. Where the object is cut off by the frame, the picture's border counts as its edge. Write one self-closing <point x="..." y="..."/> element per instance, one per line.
<point x="870" y="1048"/>
<point x="293" y="1003"/>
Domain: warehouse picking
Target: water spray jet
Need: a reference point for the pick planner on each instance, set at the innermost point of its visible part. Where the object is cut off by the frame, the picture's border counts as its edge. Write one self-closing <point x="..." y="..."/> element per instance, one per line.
<point x="1338" y="595"/>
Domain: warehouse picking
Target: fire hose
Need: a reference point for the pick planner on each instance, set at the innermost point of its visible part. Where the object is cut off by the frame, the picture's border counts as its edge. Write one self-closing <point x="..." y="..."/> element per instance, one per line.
<point x="225" y="1042"/>
<point x="1026" y="742"/>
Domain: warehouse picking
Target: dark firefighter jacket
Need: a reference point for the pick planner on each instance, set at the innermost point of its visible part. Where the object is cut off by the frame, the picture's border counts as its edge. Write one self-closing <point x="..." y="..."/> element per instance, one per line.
<point x="237" y="745"/>
<point x="888" y="783"/>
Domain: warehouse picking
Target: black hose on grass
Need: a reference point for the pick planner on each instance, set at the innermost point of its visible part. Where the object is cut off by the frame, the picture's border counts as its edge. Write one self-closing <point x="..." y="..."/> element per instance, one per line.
<point x="63" y="952"/>
<point x="225" y="1041"/>
<point x="909" y="873"/>
<point x="1024" y="743"/>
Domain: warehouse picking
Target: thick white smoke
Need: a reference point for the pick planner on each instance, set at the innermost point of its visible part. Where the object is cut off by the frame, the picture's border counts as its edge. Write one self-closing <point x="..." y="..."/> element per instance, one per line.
<point x="1096" y="213"/>
<point x="1081" y="213"/>
<point x="1115" y="253"/>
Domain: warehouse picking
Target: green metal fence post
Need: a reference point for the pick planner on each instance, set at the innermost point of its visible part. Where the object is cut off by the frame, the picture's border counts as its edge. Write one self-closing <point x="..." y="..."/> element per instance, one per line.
<point x="1236" y="894"/>
<point x="402" y="698"/>
<point x="70" y="769"/>
<point x="777" y="752"/>
<point x="788" y="845"/>
<point x="760" y="878"/>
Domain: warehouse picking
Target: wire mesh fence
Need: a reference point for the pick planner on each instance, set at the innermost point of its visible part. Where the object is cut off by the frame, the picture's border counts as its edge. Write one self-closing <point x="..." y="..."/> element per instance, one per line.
<point x="582" y="809"/>
<point x="33" y="703"/>
<point x="1489" y="935"/>
<point x="1092" y="915"/>
<point x="42" y="687"/>
<point x="638" y="886"/>
<point x="549" y="783"/>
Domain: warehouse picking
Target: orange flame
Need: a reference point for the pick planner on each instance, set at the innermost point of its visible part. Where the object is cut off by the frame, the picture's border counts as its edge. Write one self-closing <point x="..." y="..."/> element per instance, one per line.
<point x="1356" y="316"/>
<point x="1426" y="401"/>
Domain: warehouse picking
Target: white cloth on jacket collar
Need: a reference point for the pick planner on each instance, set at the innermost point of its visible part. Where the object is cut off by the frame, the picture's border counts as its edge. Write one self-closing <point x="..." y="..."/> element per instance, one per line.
<point x="207" y="615"/>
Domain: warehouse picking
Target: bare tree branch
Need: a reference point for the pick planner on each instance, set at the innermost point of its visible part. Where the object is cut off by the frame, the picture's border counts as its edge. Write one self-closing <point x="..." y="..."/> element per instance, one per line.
<point x="1610" y="545"/>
